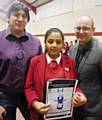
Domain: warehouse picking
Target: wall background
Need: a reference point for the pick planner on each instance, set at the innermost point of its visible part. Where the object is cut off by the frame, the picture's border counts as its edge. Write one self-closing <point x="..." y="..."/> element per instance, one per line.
<point x="63" y="14"/>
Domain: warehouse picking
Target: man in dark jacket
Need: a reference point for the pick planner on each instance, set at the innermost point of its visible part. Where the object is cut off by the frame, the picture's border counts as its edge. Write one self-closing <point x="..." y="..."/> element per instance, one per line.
<point x="88" y="56"/>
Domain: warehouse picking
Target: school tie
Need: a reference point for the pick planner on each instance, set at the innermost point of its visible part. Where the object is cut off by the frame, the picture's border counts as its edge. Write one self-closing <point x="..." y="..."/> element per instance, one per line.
<point x="53" y="64"/>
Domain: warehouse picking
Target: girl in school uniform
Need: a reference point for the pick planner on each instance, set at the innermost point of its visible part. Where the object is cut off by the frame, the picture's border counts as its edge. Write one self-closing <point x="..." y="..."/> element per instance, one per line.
<point x="41" y="70"/>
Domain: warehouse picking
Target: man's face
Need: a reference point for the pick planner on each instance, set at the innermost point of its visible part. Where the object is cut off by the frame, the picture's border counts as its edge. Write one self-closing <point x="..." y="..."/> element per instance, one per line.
<point x="84" y="30"/>
<point x="18" y="20"/>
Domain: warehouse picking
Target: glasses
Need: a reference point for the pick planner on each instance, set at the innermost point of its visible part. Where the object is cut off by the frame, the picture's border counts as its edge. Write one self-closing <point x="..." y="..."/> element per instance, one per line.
<point x="82" y="28"/>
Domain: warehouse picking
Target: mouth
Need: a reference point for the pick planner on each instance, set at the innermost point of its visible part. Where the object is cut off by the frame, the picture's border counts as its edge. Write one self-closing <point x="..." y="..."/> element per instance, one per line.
<point x="54" y="49"/>
<point x="81" y="37"/>
<point x="19" y="25"/>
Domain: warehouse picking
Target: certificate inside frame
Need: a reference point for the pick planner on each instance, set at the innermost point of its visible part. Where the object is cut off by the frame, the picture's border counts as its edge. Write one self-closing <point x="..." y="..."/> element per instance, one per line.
<point x="59" y="93"/>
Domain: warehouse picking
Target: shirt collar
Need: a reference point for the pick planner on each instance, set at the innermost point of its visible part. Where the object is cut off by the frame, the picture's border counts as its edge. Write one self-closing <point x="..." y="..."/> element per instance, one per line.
<point x="87" y="46"/>
<point x="10" y="36"/>
<point x="49" y="59"/>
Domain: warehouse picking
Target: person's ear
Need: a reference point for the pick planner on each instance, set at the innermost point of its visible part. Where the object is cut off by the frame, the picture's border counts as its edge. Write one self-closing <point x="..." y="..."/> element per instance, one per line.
<point x="94" y="29"/>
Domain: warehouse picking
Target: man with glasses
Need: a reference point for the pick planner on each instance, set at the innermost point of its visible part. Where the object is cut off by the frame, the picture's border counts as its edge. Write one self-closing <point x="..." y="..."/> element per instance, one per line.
<point x="17" y="46"/>
<point x="88" y="56"/>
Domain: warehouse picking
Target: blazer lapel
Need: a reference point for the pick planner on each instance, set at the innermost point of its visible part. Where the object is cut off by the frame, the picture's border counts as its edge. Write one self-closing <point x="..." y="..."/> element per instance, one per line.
<point x="41" y="70"/>
<point x="81" y="65"/>
<point x="66" y="66"/>
<point x="74" y="51"/>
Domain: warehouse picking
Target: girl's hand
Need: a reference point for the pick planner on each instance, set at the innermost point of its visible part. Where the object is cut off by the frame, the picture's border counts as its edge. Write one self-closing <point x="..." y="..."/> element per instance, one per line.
<point x="41" y="107"/>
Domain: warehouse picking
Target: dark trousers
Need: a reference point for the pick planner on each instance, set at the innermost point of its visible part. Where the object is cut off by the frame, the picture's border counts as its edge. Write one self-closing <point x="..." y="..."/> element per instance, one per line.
<point x="11" y="102"/>
<point x="80" y="114"/>
<point x="92" y="118"/>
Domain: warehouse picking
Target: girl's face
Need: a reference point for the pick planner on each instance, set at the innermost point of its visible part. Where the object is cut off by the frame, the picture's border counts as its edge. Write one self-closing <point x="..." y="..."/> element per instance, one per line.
<point x="54" y="44"/>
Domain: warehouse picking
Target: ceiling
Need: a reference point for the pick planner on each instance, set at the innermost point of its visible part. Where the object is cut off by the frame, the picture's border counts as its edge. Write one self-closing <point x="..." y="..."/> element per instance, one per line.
<point x="32" y="4"/>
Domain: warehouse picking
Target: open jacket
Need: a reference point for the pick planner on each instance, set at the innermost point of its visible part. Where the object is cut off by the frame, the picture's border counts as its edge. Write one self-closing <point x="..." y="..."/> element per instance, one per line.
<point x="34" y="88"/>
<point x="90" y="77"/>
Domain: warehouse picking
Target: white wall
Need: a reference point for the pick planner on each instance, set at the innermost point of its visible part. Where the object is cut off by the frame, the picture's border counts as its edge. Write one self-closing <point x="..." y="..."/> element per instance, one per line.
<point x="3" y="24"/>
<point x="64" y="20"/>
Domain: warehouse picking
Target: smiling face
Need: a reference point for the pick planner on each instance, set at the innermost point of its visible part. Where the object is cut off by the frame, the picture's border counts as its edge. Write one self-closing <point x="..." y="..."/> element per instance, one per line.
<point x="54" y="43"/>
<point x="17" y="21"/>
<point x="84" y="30"/>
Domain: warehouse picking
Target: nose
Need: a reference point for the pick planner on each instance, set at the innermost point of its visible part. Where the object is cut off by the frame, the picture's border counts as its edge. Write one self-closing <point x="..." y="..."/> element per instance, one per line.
<point x="20" y="18"/>
<point x="54" y="44"/>
<point x="81" y="30"/>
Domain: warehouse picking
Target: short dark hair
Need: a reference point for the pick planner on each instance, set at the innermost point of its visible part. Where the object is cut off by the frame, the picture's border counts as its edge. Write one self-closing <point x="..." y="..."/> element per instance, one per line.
<point x="16" y="7"/>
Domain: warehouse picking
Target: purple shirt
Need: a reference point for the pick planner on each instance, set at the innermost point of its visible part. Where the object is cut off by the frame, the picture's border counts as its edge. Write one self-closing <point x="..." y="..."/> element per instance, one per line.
<point x="15" y="54"/>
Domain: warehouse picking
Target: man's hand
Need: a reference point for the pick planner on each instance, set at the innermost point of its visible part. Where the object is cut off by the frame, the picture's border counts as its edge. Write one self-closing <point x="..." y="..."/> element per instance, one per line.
<point x="79" y="99"/>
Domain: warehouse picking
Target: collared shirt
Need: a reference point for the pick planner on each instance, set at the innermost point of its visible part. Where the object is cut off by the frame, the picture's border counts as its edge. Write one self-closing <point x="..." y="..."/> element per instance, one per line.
<point x="81" y="51"/>
<point x="14" y="57"/>
<point x="49" y="59"/>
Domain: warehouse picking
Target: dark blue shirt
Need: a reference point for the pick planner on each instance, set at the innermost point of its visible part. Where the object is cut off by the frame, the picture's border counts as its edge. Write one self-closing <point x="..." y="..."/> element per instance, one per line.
<point x="15" y="54"/>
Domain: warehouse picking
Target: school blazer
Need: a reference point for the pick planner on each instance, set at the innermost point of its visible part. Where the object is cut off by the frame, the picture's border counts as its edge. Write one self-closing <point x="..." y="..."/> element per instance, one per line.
<point x="34" y="88"/>
<point x="90" y="77"/>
